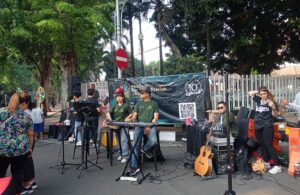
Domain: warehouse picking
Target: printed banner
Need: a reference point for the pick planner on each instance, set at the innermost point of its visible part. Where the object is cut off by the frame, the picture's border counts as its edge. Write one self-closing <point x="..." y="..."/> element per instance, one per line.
<point x="190" y="91"/>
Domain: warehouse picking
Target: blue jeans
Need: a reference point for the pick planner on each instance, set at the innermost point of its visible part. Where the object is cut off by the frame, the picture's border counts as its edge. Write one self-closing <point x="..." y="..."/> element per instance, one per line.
<point x="77" y="125"/>
<point x="138" y="135"/>
<point x="124" y="143"/>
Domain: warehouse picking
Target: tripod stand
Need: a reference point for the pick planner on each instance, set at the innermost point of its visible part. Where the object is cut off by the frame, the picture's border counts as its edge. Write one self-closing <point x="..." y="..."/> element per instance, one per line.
<point x="63" y="162"/>
<point x="89" y="112"/>
<point x="124" y="175"/>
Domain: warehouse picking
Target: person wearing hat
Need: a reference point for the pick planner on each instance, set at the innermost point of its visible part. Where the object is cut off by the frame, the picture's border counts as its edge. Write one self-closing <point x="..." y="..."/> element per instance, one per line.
<point x="263" y="125"/>
<point x="119" y="112"/>
<point x="146" y="111"/>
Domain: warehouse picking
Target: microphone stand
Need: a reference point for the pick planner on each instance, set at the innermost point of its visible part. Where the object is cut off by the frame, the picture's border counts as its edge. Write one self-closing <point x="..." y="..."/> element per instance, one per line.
<point x="229" y="164"/>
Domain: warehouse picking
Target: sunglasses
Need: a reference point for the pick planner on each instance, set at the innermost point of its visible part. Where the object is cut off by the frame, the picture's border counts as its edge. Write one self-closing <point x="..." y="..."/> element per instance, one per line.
<point x="220" y="108"/>
<point x="263" y="94"/>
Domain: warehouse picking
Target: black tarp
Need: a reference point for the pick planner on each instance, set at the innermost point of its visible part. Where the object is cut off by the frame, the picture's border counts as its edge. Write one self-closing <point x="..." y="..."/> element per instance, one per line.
<point x="168" y="92"/>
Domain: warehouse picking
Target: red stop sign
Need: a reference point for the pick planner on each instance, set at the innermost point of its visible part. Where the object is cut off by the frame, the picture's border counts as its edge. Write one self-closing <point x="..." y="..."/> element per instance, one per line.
<point x="121" y="59"/>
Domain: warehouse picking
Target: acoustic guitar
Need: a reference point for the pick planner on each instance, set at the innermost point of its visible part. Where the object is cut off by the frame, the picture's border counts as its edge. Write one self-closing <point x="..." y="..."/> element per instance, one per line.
<point x="203" y="163"/>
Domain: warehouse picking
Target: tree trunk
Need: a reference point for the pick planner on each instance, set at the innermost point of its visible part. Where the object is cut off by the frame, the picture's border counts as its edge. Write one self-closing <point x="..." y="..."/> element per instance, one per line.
<point x="67" y="67"/>
<point x="44" y="77"/>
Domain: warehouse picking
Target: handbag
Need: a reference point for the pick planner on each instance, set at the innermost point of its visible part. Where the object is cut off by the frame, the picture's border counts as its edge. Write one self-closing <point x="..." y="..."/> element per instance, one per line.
<point x="258" y="166"/>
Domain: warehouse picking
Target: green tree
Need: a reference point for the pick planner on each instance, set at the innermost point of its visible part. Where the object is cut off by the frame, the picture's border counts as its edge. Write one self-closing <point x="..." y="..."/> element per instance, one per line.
<point x="187" y="64"/>
<point x="71" y="34"/>
<point x="252" y="34"/>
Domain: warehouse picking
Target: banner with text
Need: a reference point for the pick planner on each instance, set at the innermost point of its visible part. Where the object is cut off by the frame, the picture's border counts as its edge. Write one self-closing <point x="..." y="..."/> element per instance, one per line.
<point x="178" y="96"/>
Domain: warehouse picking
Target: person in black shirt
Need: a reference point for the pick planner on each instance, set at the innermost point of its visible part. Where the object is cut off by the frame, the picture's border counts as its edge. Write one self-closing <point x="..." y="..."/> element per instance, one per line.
<point x="93" y="120"/>
<point x="263" y="125"/>
<point x="78" y="118"/>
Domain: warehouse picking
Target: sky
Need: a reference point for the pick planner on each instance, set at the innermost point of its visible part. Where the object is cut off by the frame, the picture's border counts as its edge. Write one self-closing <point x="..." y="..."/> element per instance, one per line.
<point x="150" y="42"/>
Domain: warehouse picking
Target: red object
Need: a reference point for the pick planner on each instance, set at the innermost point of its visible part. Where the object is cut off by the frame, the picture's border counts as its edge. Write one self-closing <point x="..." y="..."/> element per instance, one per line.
<point x="119" y="90"/>
<point x="188" y="121"/>
<point x="121" y="59"/>
<point x="277" y="135"/>
<point x="4" y="183"/>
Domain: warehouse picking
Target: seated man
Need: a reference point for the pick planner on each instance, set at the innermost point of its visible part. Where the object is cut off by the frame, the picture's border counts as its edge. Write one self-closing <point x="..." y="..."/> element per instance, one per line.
<point x="221" y="121"/>
<point x="222" y="108"/>
<point x="145" y="111"/>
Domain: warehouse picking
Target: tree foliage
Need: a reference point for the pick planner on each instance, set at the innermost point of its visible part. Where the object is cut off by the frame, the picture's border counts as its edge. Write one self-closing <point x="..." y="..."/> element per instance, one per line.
<point x="247" y="35"/>
<point x="72" y="34"/>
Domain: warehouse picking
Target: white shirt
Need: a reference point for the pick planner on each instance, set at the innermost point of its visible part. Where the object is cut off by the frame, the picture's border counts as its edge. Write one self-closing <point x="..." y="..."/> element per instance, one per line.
<point x="37" y="115"/>
<point x="29" y="112"/>
<point x="296" y="104"/>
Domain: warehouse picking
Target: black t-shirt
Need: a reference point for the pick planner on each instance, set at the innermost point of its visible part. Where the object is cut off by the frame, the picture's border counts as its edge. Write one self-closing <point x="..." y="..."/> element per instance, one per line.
<point x="95" y="102"/>
<point x="263" y="114"/>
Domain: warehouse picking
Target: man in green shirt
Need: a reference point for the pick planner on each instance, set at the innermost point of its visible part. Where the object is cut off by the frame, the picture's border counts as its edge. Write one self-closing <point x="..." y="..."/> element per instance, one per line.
<point x="146" y="111"/>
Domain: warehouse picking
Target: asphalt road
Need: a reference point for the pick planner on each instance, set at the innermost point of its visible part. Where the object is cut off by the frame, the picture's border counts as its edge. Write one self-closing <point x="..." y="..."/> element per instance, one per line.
<point x="171" y="178"/>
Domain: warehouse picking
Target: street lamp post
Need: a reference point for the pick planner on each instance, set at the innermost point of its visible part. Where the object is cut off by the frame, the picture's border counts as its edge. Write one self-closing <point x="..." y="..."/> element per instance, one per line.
<point x="118" y="33"/>
<point x="141" y="37"/>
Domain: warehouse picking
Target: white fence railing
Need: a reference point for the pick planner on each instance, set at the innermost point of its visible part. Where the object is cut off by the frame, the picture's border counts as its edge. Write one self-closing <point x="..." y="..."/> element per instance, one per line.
<point x="239" y="85"/>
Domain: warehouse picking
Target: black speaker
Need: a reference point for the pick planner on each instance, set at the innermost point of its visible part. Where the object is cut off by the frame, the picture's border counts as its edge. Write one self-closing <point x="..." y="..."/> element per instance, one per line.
<point x="242" y="114"/>
<point x="196" y="138"/>
<point x="76" y="84"/>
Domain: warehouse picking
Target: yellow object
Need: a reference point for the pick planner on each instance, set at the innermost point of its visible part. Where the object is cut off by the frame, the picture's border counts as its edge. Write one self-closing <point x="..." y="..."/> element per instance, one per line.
<point x="287" y="130"/>
<point x="258" y="166"/>
<point x="104" y="140"/>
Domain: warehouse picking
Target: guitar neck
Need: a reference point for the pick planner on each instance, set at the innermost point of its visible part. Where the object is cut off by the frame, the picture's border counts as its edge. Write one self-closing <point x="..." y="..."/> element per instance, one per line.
<point x="208" y="136"/>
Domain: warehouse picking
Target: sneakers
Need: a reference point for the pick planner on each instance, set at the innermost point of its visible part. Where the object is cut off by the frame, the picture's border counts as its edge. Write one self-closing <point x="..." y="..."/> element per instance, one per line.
<point x="148" y="154"/>
<point x="27" y="190"/>
<point x="268" y="166"/>
<point x="119" y="158"/>
<point x="71" y="139"/>
<point x="275" y="170"/>
<point x="134" y="171"/>
<point x="124" y="160"/>
<point x="79" y="143"/>
<point x="34" y="185"/>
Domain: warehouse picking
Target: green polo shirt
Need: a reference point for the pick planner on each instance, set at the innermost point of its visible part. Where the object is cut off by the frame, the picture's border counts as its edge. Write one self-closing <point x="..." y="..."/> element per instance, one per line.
<point x="120" y="112"/>
<point x="146" y="110"/>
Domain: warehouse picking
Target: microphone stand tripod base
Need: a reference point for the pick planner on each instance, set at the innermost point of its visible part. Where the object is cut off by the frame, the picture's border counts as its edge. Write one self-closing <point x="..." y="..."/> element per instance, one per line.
<point x="124" y="178"/>
<point x="227" y="192"/>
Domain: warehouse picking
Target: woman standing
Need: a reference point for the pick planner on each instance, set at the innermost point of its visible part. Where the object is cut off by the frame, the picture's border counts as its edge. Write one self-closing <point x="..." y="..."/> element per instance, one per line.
<point x="16" y="138"/>
<point x="119" y="112"/>
<point x="263" y="125"/>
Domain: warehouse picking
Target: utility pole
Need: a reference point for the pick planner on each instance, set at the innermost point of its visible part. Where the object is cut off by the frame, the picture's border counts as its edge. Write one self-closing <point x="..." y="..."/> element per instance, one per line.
<point x="207" y="47"/>
<point x="118" y="33"/>
<point x="141" y="37"/>
<point x="131" y="41"/>
<point x="160" y="41"/>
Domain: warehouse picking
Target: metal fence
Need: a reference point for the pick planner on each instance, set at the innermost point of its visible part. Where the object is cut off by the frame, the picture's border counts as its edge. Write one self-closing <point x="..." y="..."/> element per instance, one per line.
<point x="239" y="85"/>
